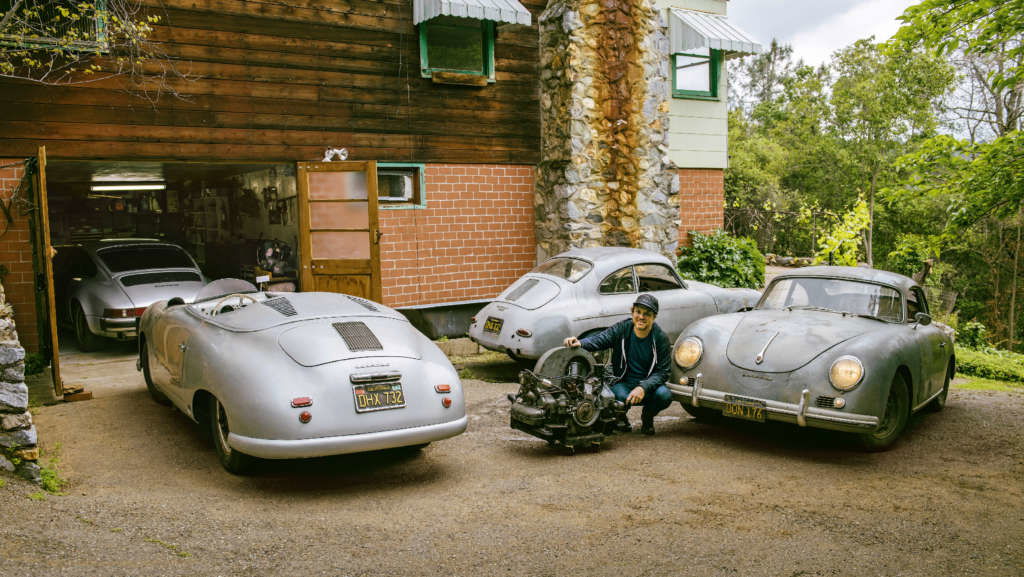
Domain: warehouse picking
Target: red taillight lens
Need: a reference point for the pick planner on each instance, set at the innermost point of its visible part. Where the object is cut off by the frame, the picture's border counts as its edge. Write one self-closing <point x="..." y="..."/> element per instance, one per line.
<point x="305" y="417"/>
<point x="524" y="333"/>
<point x="472" y="320"/>
<point x="446" y="402"/>
<point x="123" y="313"/>
<point x="443" y="388"/>
<point x="302" y="402"/>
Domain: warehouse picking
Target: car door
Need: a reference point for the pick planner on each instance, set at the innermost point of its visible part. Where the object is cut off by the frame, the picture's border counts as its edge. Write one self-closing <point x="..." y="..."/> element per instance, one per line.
<point x="615" y="295"/>
<point x="172" y="336"/>
<point x="932" y="344"/>
<point x="678" y="305"/>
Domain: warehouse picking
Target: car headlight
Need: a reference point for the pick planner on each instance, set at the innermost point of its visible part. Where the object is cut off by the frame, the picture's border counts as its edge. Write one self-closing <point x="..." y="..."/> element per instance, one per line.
<point x="846" y="373"/>
<point x="688" y="352"/>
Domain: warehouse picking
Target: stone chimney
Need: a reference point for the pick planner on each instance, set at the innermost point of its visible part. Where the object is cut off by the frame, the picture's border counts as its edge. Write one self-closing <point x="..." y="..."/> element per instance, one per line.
<point x="605" y="178"/>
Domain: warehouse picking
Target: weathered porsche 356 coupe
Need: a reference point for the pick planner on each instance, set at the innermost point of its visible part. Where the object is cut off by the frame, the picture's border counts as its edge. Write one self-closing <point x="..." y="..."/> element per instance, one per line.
<point x="842" y="348"/>
<point x="296" y="375"/>
<point x="585" y="290"/>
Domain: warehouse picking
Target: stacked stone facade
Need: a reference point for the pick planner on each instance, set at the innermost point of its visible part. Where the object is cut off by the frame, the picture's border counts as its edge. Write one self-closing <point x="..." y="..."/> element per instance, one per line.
<point x="605" y="177"/>
<point x="18" y="451"/>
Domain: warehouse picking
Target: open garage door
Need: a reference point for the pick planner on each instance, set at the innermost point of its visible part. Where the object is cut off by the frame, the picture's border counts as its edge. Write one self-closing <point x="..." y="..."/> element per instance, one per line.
<point x="338" y="230"/>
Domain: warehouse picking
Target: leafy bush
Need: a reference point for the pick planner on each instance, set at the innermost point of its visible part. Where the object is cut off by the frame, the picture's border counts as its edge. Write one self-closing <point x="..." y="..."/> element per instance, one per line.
<point x="972" y="335"/>
<point x="723" y="260"/>
<point x="990" y="364"/>
<point x="35" y="363"/>
<point x="841" y="246"/>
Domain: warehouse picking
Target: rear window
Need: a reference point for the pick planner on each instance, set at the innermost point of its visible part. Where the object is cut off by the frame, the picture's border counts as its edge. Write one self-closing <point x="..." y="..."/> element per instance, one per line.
<point x="122" y="258"/>
<point x="571" y="269"/>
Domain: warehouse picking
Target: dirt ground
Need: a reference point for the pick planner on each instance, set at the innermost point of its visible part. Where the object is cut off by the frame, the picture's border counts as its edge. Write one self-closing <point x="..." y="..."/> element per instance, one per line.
<point x="146" y="496"/>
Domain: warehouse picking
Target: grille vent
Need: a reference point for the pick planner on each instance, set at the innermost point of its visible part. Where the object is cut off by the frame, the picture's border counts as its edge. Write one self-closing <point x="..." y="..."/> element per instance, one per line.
<point x="825" y="402"/>
<point x="281" y="305"/>
<point x="522" y="289"/>
<point x="357" y="337"/>
<point x="363" y="303"/>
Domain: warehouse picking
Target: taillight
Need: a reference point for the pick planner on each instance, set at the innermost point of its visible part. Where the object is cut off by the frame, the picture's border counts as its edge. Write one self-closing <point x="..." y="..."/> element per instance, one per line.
<point x="302" y="401"/>
<point x="524" y="333"/>
<point x="443" y="388"/>
<point x="123" y="313"/>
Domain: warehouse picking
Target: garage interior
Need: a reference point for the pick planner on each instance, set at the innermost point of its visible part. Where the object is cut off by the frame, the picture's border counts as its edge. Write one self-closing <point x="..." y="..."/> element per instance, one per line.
<point x="230" y="217"/>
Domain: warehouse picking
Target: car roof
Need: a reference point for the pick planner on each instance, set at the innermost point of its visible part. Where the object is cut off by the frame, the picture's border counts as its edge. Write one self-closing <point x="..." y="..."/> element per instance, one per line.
<point x="615" y="256"/>
<point x="899" y="281"/>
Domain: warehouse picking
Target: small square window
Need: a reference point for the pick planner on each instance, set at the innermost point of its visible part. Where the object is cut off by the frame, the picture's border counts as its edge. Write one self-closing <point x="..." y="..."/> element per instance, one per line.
<point x="399" y="184"/>
<point x="453" y="47"/>
<point x="695" y="74"/>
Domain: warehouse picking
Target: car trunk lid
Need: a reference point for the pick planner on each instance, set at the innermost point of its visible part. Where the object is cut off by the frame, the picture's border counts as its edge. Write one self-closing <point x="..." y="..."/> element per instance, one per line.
<point x="344" y="338"/>
<point x="783" y="341"/>
<point x="144" y="289"/>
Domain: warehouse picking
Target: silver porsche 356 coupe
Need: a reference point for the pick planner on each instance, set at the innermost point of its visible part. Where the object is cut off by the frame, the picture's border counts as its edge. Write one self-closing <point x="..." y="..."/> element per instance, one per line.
<point x="842" y="348"/>
<point x="297" y="375"/>
<point x="586" y="290"/>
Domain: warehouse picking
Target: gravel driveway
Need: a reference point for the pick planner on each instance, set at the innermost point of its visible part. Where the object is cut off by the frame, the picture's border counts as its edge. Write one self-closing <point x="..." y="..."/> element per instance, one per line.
<point x="146" y="496"/>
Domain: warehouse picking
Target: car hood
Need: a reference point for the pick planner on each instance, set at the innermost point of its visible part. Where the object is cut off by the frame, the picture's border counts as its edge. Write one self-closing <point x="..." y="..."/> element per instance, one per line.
<point x="783" y="341"/>
<point x="530" y="292"/>
<point x="337" y="339"/>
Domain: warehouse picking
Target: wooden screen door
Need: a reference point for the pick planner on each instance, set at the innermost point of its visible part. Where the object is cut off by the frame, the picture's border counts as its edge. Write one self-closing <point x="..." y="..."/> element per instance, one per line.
<point x="338" y="234"/>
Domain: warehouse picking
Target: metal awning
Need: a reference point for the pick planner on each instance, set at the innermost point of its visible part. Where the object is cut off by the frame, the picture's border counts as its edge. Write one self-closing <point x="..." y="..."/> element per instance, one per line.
<point x="689" y="29"/>
<point x="510" y="11"/>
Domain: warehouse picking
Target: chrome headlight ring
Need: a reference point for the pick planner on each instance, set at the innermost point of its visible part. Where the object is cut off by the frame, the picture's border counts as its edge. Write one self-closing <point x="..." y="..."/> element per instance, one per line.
<point x="689" y="352"/>
<point x="846" y="373"/>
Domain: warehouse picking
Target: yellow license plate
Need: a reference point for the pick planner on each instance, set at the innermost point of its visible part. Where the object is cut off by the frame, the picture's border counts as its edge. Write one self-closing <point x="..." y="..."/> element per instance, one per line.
<point x="378" y="397"/>
<point x="493" y="325"/>
<point x="742" y="408"/>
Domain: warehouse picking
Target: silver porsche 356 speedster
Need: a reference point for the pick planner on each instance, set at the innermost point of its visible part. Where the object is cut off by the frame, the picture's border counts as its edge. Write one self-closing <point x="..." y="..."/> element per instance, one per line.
<point x="297" y="375"/>
<point x="842" y="348"/>
<point x="586" y="290"/>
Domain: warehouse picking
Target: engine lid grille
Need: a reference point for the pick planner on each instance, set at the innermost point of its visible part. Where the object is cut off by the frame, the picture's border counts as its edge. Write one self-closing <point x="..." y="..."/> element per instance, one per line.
<point x="363" y="303"/>
<point x="281" y="305"/>
<point x="358" y="336"/>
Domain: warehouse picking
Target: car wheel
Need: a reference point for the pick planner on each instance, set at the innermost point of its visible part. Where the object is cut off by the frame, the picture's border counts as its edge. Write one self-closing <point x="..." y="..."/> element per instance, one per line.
<point x="232" y="460"/>
<point x="702" y="414"/>
<point x="159" y="397"/>
<point x="897" y="413"/>
<point x="87" y="341"/>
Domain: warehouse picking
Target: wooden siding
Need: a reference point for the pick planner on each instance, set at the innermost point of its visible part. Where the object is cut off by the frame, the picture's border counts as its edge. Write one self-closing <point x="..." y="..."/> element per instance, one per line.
<point x="283" y="82"/>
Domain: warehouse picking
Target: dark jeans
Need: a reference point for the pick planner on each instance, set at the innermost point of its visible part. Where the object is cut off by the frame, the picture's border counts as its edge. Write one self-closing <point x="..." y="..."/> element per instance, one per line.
<point x="653" y="403"/>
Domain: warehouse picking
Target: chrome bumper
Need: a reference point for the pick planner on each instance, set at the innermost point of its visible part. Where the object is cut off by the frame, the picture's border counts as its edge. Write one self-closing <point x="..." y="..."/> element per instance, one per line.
<point x="802" y="413"/>
<point x="325" y="446"/>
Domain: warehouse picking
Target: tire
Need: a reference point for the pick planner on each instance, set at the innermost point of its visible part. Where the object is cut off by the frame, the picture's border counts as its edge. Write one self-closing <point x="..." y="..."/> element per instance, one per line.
<point x="87" y="341"/>
<point x="160" y="398"/>
<point x="894" y="421"/>
<point x="939" y="402"/>
<point x="701" y="414"/>
<point x="233" y="461"/>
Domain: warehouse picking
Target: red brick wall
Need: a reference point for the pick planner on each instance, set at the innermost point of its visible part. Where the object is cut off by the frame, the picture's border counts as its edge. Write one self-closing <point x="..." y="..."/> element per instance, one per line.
<point x="701" y="201"/>
<point x="16" y="255"/>
<point x="473" y="239"/>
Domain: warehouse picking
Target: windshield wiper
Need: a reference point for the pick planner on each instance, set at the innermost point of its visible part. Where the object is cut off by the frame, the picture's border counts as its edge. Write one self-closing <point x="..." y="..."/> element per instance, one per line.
<point x="872" y="317"/>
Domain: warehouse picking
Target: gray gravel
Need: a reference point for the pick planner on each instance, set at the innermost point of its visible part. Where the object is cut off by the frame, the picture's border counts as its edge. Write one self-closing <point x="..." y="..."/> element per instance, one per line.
<point x="146" y="496"/>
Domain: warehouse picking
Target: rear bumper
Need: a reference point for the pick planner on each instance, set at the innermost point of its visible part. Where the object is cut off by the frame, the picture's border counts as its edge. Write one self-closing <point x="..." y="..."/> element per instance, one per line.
<point x="119" y="327"/>
<point x="803" y="413"/>
<point x="322" y="447"/>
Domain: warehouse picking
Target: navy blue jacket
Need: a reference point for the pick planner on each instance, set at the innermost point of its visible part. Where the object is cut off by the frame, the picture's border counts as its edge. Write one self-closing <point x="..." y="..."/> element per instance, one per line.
<point x="615" y="338"/>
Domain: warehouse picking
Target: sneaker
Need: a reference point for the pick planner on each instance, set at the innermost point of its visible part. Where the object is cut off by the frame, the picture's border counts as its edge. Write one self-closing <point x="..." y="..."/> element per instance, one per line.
<point x="647" y="425"/>
<point x="623" y="426"/>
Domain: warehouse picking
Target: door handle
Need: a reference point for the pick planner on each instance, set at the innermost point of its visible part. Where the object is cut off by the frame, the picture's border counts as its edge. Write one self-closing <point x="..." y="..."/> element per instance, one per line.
<point x="377" y="235"/>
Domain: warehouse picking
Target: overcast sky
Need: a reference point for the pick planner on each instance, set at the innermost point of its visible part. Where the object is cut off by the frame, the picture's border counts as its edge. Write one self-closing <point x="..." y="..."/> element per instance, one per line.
<point x="816" y="28"/>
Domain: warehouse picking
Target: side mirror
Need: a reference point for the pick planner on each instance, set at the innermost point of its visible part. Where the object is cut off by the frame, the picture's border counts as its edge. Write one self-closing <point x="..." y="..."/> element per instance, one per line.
<point x="923" y="319"/>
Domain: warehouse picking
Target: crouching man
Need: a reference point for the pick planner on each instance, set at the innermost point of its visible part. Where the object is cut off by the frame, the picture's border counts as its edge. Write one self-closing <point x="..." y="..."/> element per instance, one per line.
<point x="640" y="360"/>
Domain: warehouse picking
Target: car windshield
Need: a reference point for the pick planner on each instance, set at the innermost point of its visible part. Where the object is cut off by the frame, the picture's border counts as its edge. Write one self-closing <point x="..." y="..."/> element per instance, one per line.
<point x="224" y="286"/>
<point x="138" y="257"/>
<point x="571" y="269"/>
<point x="838" y="295"/>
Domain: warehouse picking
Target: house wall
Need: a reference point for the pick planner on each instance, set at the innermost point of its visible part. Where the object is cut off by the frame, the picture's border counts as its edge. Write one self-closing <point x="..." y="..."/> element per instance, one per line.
<point x="471" y="240"/>
<point x="282" y="82"/>
<point x="16" y="256"/>
<point x="701" y="201"/>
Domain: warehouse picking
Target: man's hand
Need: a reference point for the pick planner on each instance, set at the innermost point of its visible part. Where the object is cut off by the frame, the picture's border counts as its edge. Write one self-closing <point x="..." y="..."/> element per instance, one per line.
<point x="636" y="396"/>
<point x="571" y="342"/>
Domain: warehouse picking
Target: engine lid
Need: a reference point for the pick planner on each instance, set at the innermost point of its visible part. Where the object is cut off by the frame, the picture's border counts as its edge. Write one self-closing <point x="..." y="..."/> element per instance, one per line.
<point x="337" y="339"/>
<point x="531" y="292"/>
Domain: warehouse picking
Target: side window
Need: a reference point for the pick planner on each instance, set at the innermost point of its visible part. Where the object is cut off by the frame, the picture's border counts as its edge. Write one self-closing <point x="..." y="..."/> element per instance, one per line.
<point x="916" y="303"/>
<point x="695" y="74"/>
<point x="619" y="282"/>
<point x="656" y="277"/>
<point x="457" y="50"/>
<point x="400" y="185"/>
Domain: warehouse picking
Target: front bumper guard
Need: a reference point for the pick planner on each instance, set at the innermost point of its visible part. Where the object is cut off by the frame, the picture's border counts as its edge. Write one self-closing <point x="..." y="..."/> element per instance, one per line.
<point x="802" y="413"/>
